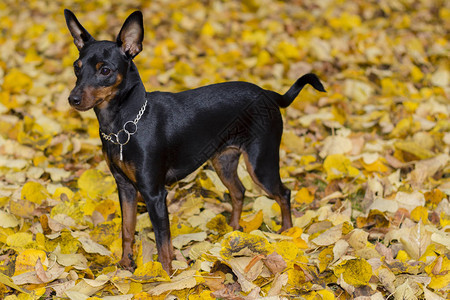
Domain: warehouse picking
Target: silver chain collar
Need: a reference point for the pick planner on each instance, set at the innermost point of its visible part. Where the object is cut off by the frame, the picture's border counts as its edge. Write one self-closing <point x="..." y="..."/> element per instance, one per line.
<point x="125" y="132"/>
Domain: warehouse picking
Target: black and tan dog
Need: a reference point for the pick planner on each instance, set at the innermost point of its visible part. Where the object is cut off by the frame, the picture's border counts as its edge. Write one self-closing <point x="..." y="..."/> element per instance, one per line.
<point x="154" y="139"/>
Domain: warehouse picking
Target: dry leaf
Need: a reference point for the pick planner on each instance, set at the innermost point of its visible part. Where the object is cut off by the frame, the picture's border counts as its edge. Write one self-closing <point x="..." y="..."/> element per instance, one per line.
<point x="179" y="282"/>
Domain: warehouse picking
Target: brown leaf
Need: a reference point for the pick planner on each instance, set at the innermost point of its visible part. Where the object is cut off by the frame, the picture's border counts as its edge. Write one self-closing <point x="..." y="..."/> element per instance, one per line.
<point x="275" y="263"/>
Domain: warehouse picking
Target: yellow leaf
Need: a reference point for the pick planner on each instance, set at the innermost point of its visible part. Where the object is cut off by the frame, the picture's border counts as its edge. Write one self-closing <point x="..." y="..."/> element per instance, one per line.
<point x="434" y="197"/>
<point x="147" y="296"/>
<point x="39" y="292"/>
<point x="276" y="208"/>
<point x="405" y="127"/>
<point x="420" y="213"/>
<point x="116" y="249"/>
<point x="15" y="81"/>
<point x="292" y="142"/>
<point x="135" y="289"/>
<point x="6" y="280"/>
<point x="354" y="271"/>
<point x="34" y="192"/>
<point x="307" y="159"/>
<point x="263" y="58"/>
<point x="182" y="68"/>
<point x="326" y="294"/>
<point x="393" y="87"/>
<point x="67" y="243"/>
<point x="32" y="56"/>
<point x="286" y="51"/>
<point x="22" y="208"/>
<point x="338" y="166"/>
<point x="414" y="149"/>
<point x="107" y="232"/>
<point x="40" y="240"/>
<point x="206" y="183"/>
<point x="178" y="228"/>
<point x="295" y="233"/>
<point x="26" y="260"/>
<point x="297" y="277"/>
<point x="410" y="106"/>
<point x="219" y="225"/>
<point x="89" y="206"/>
<point x="377" y="166"/>
<point x="72" y="209"/>
<point x="345" y="21"/>
<point x="239" y="243"/>
<point x="416" y="73"/>
<point x="403" y="256"/>
<point x="95" y="183"/>
<point x="185" y="280"/>
<point x="304" y="196"/>
<point x="444" y="219"/>
<point x="325" y="257"/>
<point x="63" y="190"/>
<point x="9" y="101"/>
<point x="40" y="142"/>
<point x="151" y="271"/>
<point x="107" y="207"/>
<point x="208" y="29"/>
<point x="252" y="222"/>
<point x="439" y="271"/>
<point x="19" y="240"/>
<point x="203" y="295"/>
<point x="287" y="249"/>
<point x="8" y="220"/>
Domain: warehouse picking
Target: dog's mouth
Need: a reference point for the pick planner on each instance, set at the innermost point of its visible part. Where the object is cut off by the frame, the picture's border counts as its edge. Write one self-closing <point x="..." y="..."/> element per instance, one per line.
<point x="91" y="97"/>
<point x="89" y="106"/>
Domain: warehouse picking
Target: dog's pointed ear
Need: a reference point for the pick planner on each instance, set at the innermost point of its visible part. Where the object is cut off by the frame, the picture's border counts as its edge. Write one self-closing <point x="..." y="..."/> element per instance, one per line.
<point x="131" y="35"/>
<point x="80" y="35"/>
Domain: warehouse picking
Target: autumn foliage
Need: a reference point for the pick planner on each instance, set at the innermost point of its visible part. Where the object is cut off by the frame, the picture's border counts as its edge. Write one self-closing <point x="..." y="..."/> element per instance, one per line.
<point x="367" y="162"/>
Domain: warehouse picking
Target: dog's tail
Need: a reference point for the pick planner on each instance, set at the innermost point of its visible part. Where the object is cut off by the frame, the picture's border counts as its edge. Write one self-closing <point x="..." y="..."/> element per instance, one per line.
<point x="310" y="78"/>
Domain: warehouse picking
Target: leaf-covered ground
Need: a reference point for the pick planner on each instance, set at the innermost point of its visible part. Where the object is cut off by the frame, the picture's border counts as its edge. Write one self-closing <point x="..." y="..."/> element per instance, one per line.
<point x="368" y="162"/>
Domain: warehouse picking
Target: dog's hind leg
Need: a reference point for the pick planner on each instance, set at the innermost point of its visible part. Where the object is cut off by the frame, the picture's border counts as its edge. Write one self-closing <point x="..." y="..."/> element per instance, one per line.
<point x="226" y="164"/>
<point x="262" y="160"/>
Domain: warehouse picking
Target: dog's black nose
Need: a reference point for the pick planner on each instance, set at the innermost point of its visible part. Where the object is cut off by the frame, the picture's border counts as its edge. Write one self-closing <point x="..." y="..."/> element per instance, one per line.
<point x="75" y="100"/>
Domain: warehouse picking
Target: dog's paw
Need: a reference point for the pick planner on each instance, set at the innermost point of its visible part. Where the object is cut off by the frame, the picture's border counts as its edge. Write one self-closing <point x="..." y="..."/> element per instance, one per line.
<point x="127" y="263"/>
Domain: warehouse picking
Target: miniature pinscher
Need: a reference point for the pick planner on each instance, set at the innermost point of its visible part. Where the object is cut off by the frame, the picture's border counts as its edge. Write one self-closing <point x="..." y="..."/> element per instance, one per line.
<point x="151" y="140"/>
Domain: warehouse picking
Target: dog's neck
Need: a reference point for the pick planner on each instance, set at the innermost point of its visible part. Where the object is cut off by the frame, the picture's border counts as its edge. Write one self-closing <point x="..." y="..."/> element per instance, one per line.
<point x="125" y="105"/>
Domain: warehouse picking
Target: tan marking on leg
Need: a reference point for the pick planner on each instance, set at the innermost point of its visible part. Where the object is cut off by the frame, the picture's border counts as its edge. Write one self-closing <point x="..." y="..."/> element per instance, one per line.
<point x="232" y="183"/>
<point x="129" y="211"/>
<point x="286" y="218"/>
<point x="165" y="255"/>
<point x="251" y="171"/>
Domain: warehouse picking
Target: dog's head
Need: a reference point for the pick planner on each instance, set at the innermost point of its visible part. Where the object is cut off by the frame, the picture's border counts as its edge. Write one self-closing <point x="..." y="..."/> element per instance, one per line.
<point x="102" y="65"/>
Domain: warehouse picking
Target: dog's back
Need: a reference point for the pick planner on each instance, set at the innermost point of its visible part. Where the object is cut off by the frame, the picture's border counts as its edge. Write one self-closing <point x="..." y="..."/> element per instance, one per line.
<point x="201" y="122"/>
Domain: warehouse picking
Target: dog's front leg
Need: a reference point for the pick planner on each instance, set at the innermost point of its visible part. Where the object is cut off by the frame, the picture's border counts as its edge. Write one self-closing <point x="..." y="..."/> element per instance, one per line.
<point x="155" y="200"/>
<point x="128" y="197"/>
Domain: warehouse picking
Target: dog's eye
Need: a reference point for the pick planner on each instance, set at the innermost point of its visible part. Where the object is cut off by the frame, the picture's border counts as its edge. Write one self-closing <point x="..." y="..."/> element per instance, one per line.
<point x="105" y="71"/>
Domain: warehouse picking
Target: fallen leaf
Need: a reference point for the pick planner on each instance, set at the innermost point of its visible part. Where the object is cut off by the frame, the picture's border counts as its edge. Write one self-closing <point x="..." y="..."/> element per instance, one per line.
<point x="92" y="247"/>
<point x="417" y="241"/>
<point x="185" y="280"/>
<point x="251" y="222"/>
<point x="338" y="166"/>
<point x="8" y="220"/>
<point x="355" y="272"/>
<point x="275" y="263"/>
<point x="184" y="239"/>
